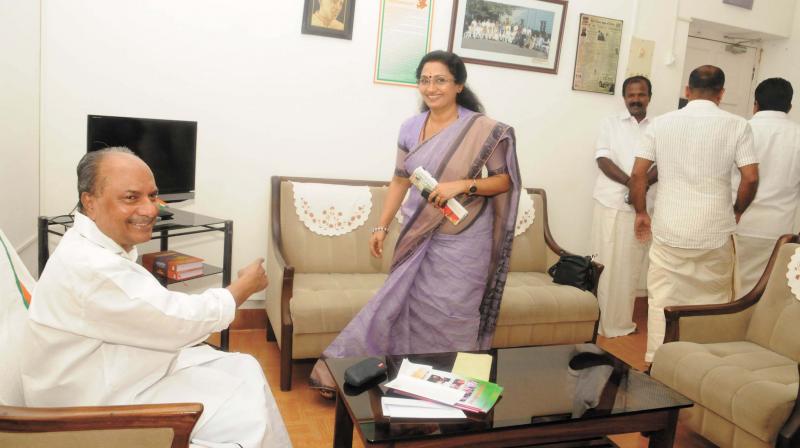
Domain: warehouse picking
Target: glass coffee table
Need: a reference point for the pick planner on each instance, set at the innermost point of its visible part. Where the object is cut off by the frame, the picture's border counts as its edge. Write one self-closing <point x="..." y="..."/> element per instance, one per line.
<point x="545" y="402"/>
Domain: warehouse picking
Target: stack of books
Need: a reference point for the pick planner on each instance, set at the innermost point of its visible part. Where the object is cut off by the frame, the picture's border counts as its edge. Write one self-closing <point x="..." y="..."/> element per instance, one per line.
<point x="173" y="265"/>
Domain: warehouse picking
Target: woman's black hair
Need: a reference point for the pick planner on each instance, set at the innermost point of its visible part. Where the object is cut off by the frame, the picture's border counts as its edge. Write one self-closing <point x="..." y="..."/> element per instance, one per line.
<point x="455" y="65"/>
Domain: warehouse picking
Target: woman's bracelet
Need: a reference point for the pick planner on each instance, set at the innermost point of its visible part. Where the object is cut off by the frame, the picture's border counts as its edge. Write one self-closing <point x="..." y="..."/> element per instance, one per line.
<point x="384" y="229"/>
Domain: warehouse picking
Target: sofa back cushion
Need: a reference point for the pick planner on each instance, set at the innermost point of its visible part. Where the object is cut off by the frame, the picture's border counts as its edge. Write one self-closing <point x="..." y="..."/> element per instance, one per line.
<point x="309" y="252"/>
<point x="16" y="284"/>
<point x="775" y="318"/>
<point x="529" y="251"/>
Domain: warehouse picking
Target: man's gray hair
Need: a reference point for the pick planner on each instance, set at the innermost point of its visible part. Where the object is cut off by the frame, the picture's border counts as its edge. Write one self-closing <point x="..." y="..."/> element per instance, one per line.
<point x="88" y="168"/>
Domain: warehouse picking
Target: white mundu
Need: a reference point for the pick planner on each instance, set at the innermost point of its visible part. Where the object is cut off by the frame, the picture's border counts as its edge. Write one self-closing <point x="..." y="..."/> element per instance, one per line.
<point x="103" y="331"/>
<point x="776" y="140"/>
<point x="692" y="255"/>
<point x="613" y="239"/>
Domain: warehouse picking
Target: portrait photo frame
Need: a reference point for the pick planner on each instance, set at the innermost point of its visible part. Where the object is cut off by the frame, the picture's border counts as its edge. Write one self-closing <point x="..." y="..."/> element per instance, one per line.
<point x="519" y="34"/>
<point x="316" y="19"/>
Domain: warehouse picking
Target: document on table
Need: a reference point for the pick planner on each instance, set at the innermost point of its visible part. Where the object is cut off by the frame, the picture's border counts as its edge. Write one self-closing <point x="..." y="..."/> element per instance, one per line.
<point x="473" y="365"/>
<point x="409" y="408"/>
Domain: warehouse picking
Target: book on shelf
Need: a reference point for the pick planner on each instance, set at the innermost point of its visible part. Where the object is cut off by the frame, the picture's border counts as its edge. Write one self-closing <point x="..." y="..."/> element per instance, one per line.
<point x="422" y="381"/>
<point x="173" y="264"/>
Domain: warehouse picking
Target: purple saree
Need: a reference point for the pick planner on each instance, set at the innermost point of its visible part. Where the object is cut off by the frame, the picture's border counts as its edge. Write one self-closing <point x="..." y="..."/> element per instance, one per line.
<point x="446" y="281"/>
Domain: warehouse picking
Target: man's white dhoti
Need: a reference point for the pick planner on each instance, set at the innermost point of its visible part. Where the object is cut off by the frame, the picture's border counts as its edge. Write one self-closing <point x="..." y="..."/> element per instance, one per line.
<point x="243" y="412"/>
<point x="617" y="248"/>
<point x="685" y="277"/>
<point x="752" y="255"/>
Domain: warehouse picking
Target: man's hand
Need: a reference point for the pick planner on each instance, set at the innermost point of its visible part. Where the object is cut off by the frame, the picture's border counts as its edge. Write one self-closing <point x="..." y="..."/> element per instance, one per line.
<point x="641" y="227"/>
<point x="251" y="279"/>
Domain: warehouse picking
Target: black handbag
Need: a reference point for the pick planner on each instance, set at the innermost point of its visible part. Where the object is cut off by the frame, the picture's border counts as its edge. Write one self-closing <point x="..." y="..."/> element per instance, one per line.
<point x="574" y="270"/>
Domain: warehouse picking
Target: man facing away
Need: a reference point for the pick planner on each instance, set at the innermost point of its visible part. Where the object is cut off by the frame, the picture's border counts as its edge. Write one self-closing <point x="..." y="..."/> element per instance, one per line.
<point x="103" y="331"/>
<point x="613" y="239"/>
<point x="776" y="140"/>
<point x="692" y="254"/>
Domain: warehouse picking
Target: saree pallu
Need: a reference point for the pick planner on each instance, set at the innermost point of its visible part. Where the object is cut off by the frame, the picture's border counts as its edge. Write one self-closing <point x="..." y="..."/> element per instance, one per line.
<point x="444" y="288"/>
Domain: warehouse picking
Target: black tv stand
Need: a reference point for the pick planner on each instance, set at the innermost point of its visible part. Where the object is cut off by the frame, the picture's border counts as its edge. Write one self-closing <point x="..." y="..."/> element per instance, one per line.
<point x="179" y="223"/>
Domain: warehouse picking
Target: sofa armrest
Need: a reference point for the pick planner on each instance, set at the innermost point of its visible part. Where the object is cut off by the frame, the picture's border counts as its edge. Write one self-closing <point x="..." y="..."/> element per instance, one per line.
<point x="721" y="322"/>
<point x="554" y="250"/>
<point x="179" y="417"/>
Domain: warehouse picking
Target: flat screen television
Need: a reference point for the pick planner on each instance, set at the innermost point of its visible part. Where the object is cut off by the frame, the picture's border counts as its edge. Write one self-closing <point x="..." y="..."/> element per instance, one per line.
<point x="167" y="146"/>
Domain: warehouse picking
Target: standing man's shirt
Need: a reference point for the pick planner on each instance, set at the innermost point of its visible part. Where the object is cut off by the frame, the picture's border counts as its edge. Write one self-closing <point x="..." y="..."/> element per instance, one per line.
<point x="618" y="139"/>
<point x="776" y="140"/>
<point x="695" y="149"/>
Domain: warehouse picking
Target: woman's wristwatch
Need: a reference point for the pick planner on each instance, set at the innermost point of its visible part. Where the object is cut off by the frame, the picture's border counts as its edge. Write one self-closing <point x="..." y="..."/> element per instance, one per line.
<point x="472" y="188"/>
<point x="384" y="229"/>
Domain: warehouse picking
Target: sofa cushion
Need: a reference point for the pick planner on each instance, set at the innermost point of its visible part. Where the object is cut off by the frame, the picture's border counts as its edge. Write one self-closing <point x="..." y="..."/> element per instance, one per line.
<point x="325" y="303"/>
<point x="533" y="298"/>
<point x="774" y="321"/>
<point x="309" y="252"/>
<point x="752" y="387"/>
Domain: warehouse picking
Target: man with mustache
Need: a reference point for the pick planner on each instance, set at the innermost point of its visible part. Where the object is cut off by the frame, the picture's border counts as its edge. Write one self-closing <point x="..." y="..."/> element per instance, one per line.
<point x="692" y="252"/>
<point x="103" y="331"/>
<point x="612" y="230"/>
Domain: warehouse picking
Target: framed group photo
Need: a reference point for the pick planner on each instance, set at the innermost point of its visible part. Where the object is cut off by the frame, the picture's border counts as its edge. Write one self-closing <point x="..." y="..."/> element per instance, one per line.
<point x="331" y="18"/>
<point x="521" y="34"/>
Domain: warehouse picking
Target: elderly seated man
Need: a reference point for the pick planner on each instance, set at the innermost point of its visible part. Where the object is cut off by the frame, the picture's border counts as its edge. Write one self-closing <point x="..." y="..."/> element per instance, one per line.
<point x="103" y="331"/>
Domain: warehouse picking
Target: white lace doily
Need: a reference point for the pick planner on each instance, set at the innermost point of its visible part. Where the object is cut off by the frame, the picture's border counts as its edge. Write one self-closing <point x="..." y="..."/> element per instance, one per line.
<point x="525" y="213"/>
<point x="793" y="273"/>
<point x="331" y="210"/>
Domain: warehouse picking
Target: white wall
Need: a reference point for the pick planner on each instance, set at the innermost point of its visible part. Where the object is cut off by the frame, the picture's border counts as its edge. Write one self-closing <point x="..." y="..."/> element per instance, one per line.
<point x="272" y="101"/>
<point x="780" y="59"/>
<point x="19" y="125"/>
<point x="773" y="17"/>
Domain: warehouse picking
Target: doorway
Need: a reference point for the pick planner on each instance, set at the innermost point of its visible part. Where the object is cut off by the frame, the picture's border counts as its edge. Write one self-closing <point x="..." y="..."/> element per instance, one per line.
<point x="738" y="61"/>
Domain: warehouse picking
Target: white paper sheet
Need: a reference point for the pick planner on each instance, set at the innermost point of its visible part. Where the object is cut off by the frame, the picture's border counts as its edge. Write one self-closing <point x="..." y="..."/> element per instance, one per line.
<point x="409" y="408"/>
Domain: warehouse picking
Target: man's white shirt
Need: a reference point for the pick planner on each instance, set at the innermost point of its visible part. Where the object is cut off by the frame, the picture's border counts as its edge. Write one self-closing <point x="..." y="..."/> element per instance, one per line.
<point x="617" y="141"/>
<point x="776" y="140"/>
<point x="102" y="330"/>
<point x="695" y="149"/>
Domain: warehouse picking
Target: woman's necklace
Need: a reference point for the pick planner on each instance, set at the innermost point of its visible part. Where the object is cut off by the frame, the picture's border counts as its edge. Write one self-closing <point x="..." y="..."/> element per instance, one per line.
<point x="433" y="127"/>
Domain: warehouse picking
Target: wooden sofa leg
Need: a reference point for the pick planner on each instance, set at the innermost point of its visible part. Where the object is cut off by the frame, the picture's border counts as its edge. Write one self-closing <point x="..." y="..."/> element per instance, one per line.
<point x="286" y="358"/>
<point x="270" y="334"/>
<point x="286" y="370"/>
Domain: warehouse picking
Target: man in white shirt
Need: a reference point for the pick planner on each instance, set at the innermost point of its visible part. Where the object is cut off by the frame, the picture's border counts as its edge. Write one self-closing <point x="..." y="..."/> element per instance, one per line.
<point x="692" y="254"/>
<point x="103" y="331"/>
<point x="776" y="140"/>
<point x="613" y="239"/>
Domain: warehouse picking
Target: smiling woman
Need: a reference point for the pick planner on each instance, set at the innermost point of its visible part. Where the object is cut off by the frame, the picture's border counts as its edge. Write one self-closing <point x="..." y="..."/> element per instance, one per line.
<point x="443" y="292"/>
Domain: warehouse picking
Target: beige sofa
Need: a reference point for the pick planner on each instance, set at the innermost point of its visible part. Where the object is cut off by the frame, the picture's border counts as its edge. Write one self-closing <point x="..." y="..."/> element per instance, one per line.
<point x="318" y="283"/>
<point x="739" y="362"/>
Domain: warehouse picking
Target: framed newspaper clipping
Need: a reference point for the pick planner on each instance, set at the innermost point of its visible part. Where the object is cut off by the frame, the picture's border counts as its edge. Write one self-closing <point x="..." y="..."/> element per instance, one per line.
<point x="521" y="34"/>
<point x="597" y="56"/>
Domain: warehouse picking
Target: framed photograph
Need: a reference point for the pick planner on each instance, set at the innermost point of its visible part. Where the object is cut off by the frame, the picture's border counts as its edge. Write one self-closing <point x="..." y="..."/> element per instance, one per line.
<point x="331" y="18"/>
<point x="404" y="37"/>
<point x="521" y="34"/>
<point x="596" y="60"/>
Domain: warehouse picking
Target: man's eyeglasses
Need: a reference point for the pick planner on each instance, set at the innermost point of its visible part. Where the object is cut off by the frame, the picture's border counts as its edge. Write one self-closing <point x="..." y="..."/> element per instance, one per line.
<point x="438" y="81"/>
